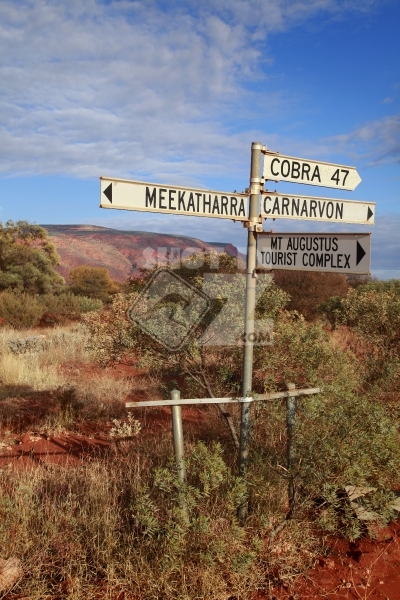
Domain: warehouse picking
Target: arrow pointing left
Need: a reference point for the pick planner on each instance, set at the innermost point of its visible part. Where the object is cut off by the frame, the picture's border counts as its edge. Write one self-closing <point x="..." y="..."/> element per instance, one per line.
<point x="108" y="193"/>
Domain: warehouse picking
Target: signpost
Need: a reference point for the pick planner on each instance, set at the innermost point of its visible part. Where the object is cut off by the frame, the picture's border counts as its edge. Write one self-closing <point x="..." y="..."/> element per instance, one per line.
<point x="278" y="167"/>
<point x="327" y="252"/>
<point x="310" y="208"/>
<point x="174" y="200"/>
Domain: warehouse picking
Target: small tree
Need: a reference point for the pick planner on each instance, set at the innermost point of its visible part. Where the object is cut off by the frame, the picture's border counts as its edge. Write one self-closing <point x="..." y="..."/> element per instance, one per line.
<point x="93" y="282"/>
<point x="27" y="259"/>
<point x="207" y="364"/>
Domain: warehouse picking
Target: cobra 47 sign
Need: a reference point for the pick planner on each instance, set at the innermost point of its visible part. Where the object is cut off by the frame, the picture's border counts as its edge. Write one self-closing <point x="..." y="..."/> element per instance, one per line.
<point x="278" y="167"/>
<point x="329" y="252"/>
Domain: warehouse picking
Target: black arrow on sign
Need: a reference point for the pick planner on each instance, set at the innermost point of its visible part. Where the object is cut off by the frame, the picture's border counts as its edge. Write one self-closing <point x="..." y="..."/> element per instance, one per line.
<point x="108" y="192"/>
<point x="360" y="253"/>
<point x="369" y="213"/>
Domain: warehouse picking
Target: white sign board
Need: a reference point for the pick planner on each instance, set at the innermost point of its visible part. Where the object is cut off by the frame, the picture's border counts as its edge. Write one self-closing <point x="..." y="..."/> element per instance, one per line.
<point x="153" y="197"/>
<point x="278" y="167"/>
<point x="308" y="208"/>
<point x="329" y="252"/>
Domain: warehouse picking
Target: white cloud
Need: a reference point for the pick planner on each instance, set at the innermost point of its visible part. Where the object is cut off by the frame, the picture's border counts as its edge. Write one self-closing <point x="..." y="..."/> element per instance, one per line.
<point x="377" y="142"/>
<point x="126" y="87"/>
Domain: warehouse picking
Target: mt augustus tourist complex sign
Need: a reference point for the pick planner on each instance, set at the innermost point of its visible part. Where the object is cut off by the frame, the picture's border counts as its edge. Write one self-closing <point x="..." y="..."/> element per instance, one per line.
<point x="328" y="252"/>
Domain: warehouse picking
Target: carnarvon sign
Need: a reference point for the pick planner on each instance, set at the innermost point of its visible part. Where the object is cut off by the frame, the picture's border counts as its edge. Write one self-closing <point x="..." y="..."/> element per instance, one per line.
<point x="309" y="208"/>
<point x="153" y="197"/>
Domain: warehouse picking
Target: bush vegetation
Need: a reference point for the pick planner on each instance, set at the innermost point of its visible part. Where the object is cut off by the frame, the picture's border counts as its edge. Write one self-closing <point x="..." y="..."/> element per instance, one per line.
<point x="372" y="311"/>
<point x="22" y="310"/>
<point x="27" y="259"/>
<point x="124" y="524"/>
<point x="93" y="282"/>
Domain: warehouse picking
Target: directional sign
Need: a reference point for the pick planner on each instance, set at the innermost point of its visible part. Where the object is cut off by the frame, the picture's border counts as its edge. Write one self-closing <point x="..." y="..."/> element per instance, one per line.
<point x="280" y="206"/>
<point x="311" y="172"/>
<point x="329" y="252"/>
<point x="153" y="197"/>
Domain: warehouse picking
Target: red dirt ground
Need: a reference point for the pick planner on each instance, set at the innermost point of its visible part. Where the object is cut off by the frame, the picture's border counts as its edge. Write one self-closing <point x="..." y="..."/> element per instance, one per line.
<point x="363" y="570"/>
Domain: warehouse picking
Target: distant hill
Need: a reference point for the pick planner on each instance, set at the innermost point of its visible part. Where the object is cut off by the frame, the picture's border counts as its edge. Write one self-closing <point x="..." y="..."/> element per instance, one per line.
<point x="123" y="253"/>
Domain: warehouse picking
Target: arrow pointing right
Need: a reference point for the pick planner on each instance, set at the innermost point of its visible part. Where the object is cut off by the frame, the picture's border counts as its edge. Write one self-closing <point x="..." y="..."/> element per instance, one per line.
<point x="360" y="253"/>
<point x="369" y="213"/>
<point x="108" y="193"/>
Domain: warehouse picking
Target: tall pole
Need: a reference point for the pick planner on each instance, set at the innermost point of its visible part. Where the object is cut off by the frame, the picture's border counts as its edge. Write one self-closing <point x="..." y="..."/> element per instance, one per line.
<point x="255" y="187"/>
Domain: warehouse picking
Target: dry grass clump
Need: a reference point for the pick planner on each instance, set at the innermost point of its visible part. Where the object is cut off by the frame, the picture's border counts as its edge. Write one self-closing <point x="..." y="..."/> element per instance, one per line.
<point x="55" y="363"/>
<point x="68" y="344"/>
<point x="30" y="371"/>
<point x="104" y="388"/>
<point x="40" y="368"/>
<point x="106" y="527"/>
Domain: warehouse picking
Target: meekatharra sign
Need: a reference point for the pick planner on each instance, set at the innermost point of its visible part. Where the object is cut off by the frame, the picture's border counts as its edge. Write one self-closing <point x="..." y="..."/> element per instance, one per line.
<point x="153" y="197"/>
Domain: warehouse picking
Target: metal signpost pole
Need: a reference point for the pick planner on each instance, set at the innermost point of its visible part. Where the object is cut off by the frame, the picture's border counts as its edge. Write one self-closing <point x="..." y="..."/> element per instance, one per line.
<point x="177" y="433"/>
<point x="255" y="186"/>
<point x="290" y="451"/>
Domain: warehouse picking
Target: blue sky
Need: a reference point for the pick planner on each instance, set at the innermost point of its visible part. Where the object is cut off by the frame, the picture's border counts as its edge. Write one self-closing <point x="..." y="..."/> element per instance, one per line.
<point x="175" y="92"/>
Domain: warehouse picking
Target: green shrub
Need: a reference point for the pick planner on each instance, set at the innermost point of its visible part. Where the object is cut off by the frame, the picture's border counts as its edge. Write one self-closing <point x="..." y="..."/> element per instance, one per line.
<point x="304" y="353"/>
<point x="373" y="312"/>
<point x="332" y="309"/>
<point x="344" y="436"/>
<point x="341" y="440"/>
<point x="28" y="259"/>
<point x="21" y="310"/>
<point x="348" y="441"/>
<point x="67" y="306"/>
<point x="93" y="282"/>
